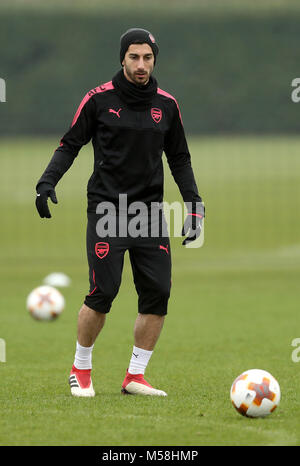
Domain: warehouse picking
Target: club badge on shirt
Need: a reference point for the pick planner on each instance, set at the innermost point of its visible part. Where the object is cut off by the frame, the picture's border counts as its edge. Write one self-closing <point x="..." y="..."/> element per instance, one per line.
<point x="156" y="114"/>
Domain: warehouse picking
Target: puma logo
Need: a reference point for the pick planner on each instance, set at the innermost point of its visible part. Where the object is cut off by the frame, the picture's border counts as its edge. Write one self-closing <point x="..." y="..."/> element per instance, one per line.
<point x="164" y="248"/>
<point x="116" y="112"/>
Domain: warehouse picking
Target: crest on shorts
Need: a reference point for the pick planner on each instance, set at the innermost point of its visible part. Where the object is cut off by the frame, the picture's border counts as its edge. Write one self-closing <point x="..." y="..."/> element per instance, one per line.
<point x="156" y="114"/>
<point x="101" y="250"/>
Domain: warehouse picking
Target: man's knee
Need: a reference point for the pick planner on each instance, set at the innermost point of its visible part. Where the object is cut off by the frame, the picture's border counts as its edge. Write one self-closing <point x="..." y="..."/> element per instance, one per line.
<point x="154" y="300"/>
<point x="162" y="290"/>
<point x="100" y="299"/>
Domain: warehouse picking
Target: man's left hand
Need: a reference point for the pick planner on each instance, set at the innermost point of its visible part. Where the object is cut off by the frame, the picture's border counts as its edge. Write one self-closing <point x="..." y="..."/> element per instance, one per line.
<point x="193" y="223"/>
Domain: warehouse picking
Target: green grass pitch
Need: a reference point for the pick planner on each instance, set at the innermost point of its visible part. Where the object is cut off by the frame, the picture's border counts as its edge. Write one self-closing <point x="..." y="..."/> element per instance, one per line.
<point x="234" y="305"/>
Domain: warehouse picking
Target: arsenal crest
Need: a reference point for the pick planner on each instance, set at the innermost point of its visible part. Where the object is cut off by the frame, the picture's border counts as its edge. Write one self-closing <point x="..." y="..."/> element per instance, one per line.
<point x="156" y="114"/>
<point x="101" y="249"/>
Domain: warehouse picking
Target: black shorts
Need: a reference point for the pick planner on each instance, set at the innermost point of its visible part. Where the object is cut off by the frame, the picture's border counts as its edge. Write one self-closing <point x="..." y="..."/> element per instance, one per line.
<point x="150" y="258"/>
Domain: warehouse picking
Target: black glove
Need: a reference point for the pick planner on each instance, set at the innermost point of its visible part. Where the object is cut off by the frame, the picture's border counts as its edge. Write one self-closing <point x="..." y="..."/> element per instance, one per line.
<point x="193" y="223"/>
<point x="44" y="190"/>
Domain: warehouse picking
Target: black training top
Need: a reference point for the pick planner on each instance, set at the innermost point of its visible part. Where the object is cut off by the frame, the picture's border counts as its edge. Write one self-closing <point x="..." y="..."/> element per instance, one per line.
<point x="128" y="147"/>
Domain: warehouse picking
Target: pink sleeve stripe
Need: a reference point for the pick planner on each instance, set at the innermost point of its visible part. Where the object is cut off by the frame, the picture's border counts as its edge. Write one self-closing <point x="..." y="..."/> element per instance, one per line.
<point x="196" y="215"/>
<point x="104" y="87"/>
<point x="166" y="94"/>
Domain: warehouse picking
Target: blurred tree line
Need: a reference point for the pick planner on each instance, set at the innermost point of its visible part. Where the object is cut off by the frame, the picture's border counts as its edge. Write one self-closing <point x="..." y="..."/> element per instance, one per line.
<point x="230" y="73"/>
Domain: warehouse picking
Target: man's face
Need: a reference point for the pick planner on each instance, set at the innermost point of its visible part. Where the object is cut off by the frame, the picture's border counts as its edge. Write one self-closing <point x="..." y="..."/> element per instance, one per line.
<point x="138" y="63"/>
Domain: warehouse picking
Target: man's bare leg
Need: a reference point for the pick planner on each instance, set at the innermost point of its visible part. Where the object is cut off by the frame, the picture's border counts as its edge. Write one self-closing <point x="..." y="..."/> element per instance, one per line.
<point x="147" y="330"/>
<point x="90" y="323"/>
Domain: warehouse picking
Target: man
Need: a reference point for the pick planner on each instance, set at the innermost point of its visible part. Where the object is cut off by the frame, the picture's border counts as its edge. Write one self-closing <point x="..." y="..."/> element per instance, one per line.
<point x="131" y="122"/>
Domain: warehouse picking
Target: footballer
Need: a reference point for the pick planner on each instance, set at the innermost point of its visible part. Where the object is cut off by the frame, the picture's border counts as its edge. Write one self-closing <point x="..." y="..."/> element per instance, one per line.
<point x="131" y="122"/>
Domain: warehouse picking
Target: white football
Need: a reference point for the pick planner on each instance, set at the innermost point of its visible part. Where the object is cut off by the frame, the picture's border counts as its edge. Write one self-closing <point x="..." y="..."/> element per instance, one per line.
<point x="255" y="393"/>
<point x="45" y="303"/>
<point x="57" y="279"/>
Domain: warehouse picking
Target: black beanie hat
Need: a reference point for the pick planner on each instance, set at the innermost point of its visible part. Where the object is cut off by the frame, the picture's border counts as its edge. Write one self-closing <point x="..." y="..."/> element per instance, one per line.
<point x="137" y="35"/>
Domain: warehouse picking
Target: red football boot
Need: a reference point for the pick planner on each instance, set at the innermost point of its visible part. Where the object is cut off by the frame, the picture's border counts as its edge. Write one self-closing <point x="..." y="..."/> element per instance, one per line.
<point x="80" y="382"/>
<point x="135" y="384"/>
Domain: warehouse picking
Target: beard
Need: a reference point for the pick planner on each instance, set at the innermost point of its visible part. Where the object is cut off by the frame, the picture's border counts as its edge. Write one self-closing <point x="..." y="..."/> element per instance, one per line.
<point x="136" y="78"/>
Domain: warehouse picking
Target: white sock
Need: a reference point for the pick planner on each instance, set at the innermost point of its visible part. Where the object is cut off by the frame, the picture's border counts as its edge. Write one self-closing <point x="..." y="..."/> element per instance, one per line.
<point x="139" y="360"/>
<point x="83" y="356"/>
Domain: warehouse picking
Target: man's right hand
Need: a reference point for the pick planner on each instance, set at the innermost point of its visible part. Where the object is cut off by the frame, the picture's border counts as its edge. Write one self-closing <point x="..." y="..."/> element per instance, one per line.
<point x="44" y="190"/>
